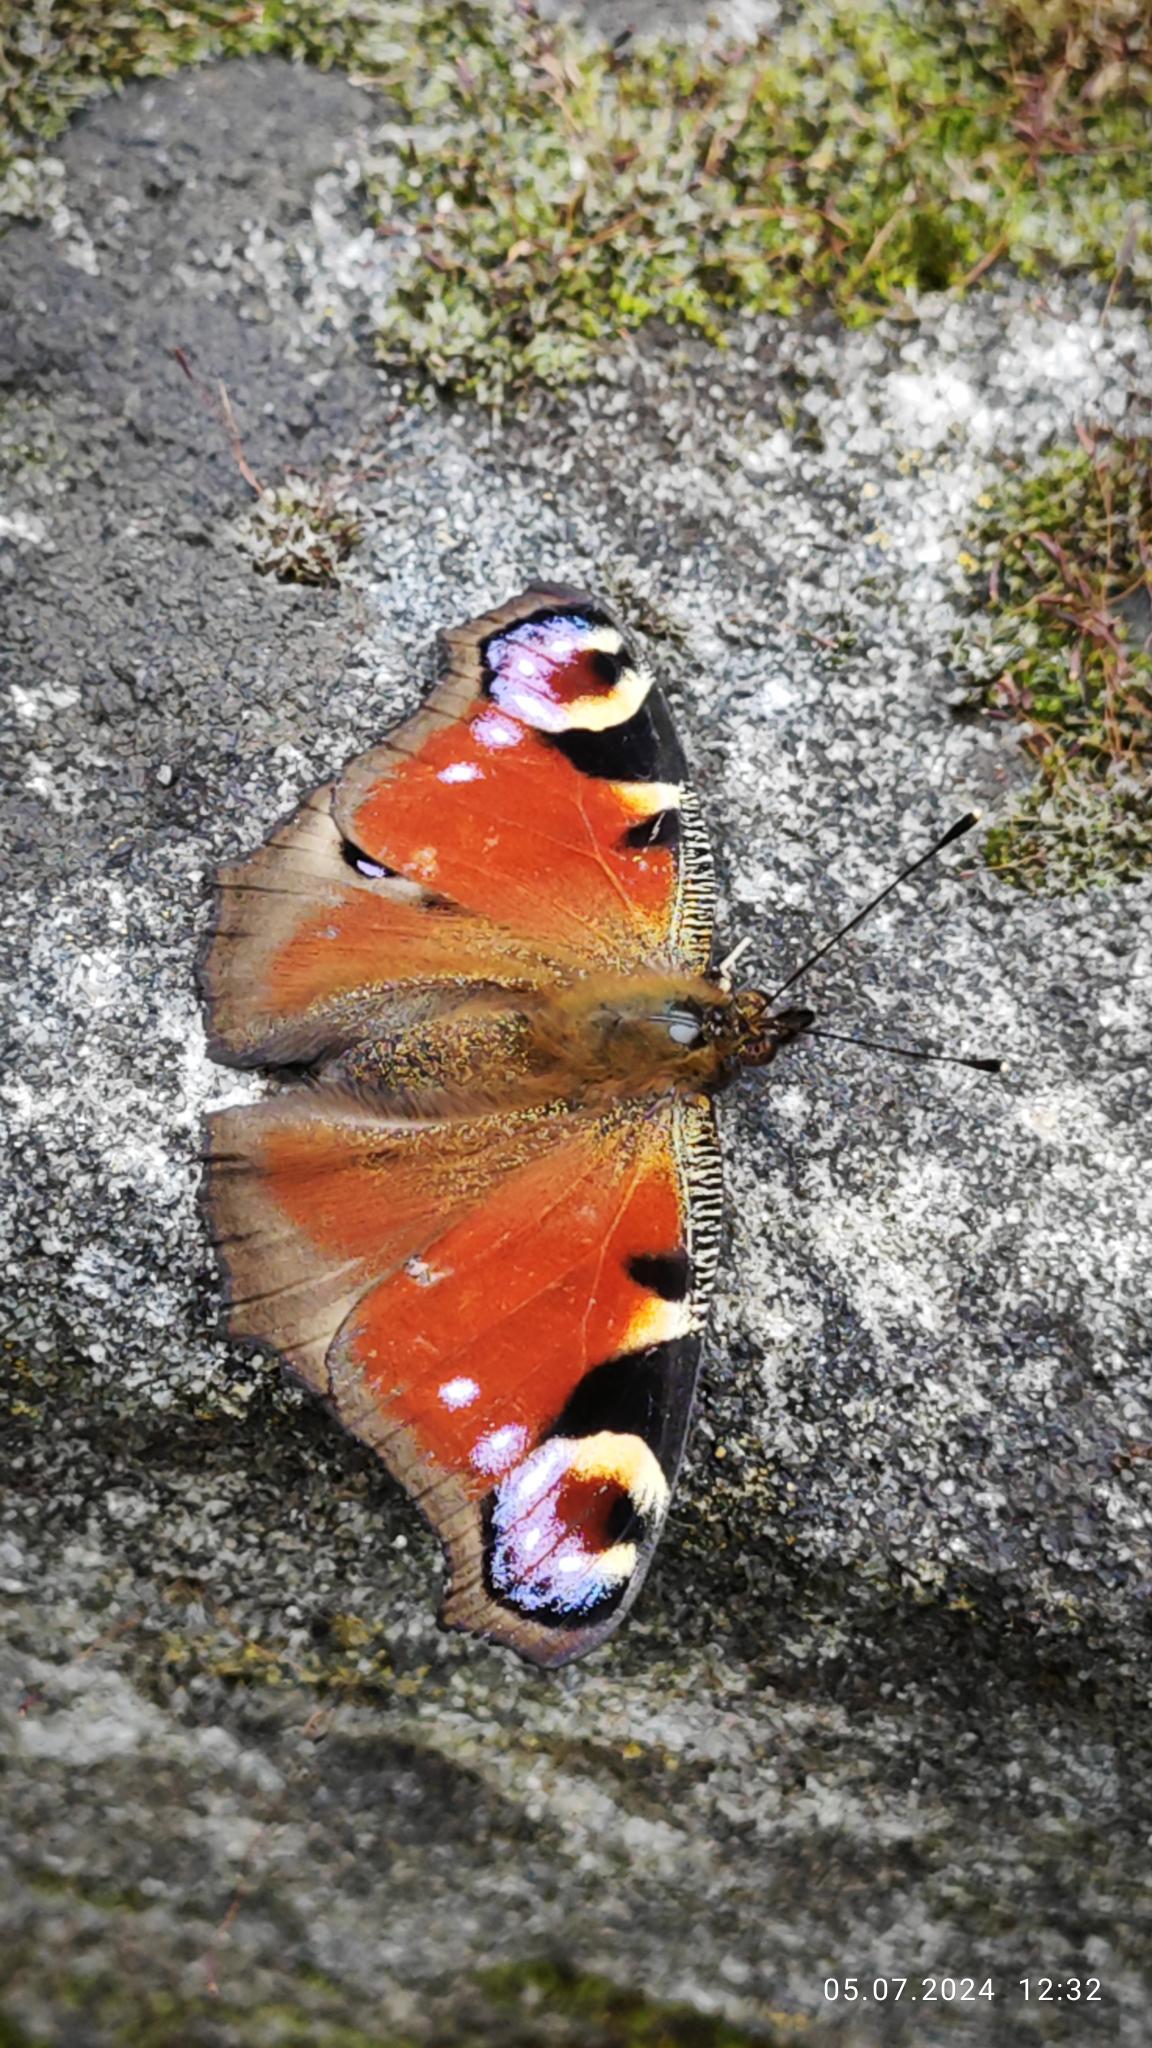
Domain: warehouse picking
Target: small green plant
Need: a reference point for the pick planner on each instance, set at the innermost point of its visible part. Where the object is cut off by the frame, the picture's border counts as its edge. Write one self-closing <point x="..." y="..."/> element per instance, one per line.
<point x="1067" y="575"/>
<point x="1062" y="58"/>
<point x="546" y="193"/>
<point x="302" y="530"/>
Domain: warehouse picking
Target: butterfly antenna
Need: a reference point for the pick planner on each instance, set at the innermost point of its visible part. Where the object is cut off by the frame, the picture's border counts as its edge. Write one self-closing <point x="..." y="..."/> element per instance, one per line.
<point x="912" y="1052"/>
<point x="955" y="831"/>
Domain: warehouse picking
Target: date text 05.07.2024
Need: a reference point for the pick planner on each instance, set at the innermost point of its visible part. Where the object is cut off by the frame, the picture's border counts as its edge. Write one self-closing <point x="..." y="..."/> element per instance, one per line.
<point x="961" y="1990"/>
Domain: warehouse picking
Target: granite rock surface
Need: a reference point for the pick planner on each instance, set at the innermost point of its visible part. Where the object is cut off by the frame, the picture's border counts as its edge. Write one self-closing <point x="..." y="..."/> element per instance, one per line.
<point x="883" y="1708"/>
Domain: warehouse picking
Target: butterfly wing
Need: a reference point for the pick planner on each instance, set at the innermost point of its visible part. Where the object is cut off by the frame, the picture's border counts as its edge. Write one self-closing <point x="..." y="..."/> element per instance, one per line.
<point x="316" y="1194"/>
<point x="531" y="821"/>
<point x="507" y="1309"/>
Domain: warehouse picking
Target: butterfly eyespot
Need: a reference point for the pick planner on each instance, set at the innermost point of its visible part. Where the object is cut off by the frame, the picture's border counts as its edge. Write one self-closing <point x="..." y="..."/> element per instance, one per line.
<point x="564" y="673"/>
<point x="606" y="668"/>
<point x="372" y="870"/>
<point x="564" y="1525"/>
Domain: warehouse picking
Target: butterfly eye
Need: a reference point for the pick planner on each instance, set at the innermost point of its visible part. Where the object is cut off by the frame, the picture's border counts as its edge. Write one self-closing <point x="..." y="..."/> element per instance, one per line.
<point x="685" y="1026"/>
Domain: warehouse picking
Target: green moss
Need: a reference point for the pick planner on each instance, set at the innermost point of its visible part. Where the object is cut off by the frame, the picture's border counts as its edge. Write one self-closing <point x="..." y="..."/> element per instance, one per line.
<point x="105" y="1898"/>
<point x="27" y="439"/>
<point x="601" y="2014"/>
<point x="171" y="2003"/>
<point x="544" y="193"/>
<point x="24" y="1382"/>
<point x="523" y="2005"/>
<point x="12" y="2036"/>
<point x="307" y="2012"/>
<point x="1067" y="578"/>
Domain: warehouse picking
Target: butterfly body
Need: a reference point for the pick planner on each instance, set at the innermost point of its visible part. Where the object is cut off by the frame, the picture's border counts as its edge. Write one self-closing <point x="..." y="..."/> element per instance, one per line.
<point x="591" y="1042"/>
<point x="485" y="1228"/>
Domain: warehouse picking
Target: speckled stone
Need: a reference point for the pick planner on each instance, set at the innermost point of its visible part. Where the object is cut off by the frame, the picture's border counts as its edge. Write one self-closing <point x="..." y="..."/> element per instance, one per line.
<point x="883" y="1708"/>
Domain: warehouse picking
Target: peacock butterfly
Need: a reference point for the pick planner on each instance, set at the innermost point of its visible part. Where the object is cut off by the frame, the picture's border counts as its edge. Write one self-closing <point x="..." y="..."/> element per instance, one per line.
<point x="485" y="1228"/>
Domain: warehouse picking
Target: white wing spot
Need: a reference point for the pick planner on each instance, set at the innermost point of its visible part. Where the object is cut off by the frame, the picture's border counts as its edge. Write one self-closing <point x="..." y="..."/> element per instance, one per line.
<point x="494" y="731"/>
<point x="459" y="1393"/>
<point x="499" y="1448"/>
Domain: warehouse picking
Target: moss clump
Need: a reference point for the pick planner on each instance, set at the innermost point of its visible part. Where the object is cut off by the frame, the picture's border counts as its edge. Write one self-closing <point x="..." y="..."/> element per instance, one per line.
<point x="301" y="531"/>
<point x="527" y="2005"/>
<point x="601" y="2014"/>
<point x="1067" y="556"/>
<point x="1062" y="57"/>
<point x="544" y="193"/>
<point x="348" y="1660"/>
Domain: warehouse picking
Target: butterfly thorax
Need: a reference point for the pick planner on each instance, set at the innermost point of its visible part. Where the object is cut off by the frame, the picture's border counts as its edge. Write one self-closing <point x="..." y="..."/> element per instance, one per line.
<point x="594" y="1040"/>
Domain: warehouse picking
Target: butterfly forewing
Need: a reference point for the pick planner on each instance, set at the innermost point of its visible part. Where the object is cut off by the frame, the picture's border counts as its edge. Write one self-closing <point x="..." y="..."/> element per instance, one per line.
<point x="544" y="787"/>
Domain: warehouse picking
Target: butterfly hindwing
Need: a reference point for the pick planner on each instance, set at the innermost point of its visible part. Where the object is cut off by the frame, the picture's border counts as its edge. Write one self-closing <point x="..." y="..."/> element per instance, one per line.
<point x="507" y="1311"/>
<point x="529" y="1377"/>
<point x="531" y="819"/>
<point x="316" y="1194"/>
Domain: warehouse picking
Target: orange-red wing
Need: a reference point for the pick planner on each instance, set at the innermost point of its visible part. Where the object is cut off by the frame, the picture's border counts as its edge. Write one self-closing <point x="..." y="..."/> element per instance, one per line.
<point x="543" y="788"/>
<point x="506" y="1310"/>
<point x="310" y="954"/>
<point x="530" y="823"/>
<point x="529" y="1378"/>
<point x="315" y="1194"/>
